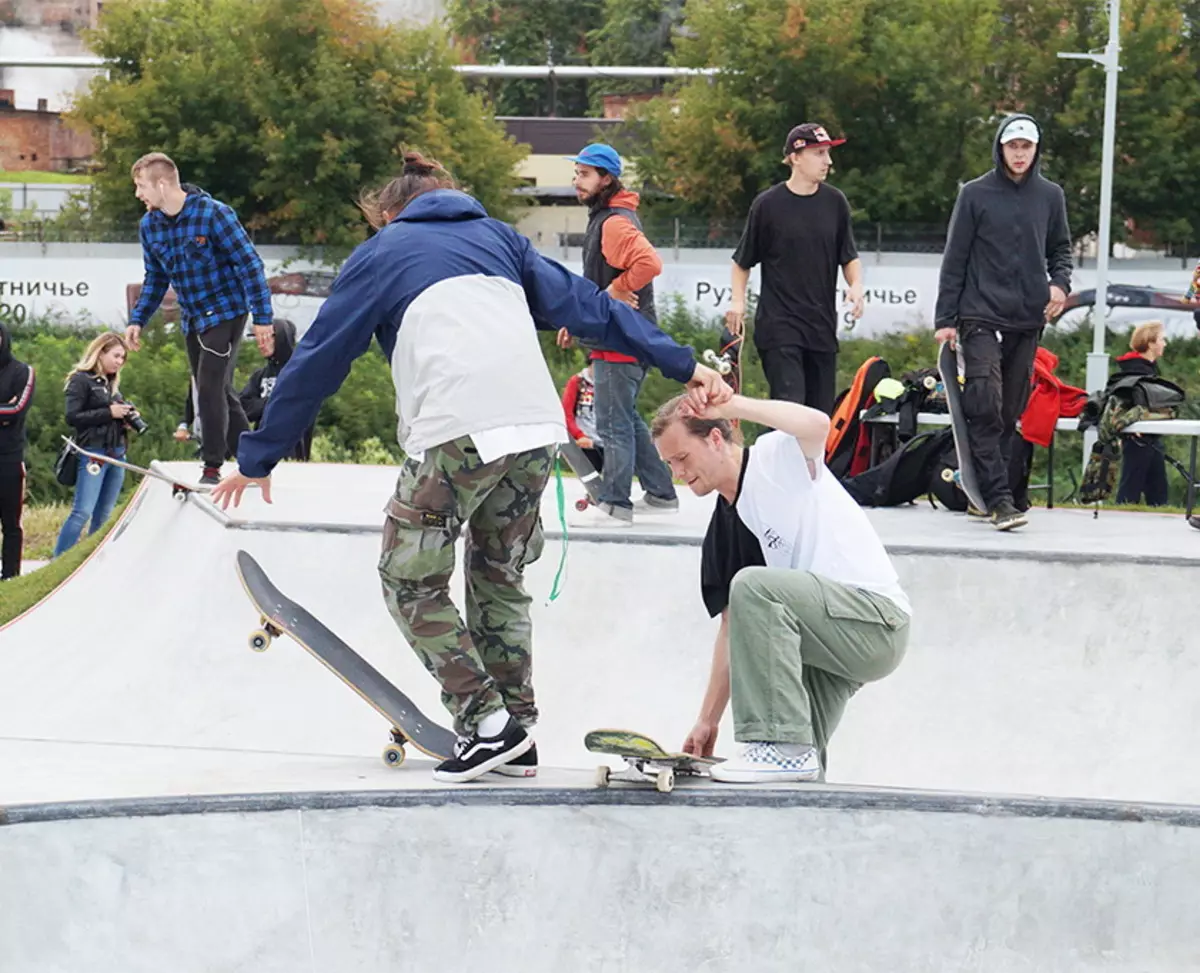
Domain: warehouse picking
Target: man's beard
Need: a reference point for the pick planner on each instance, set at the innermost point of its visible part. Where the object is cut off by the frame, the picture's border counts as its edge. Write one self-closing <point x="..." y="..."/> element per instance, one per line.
<point x="588" y="199"/>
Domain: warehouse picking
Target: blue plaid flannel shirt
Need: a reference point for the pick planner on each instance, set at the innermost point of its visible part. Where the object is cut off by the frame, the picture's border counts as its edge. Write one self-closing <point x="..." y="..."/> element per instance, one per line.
<point x="205" y="254"/>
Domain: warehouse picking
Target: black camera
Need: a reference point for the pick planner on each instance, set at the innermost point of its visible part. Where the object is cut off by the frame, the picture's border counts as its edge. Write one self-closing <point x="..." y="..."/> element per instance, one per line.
<point x="134" y="420"/>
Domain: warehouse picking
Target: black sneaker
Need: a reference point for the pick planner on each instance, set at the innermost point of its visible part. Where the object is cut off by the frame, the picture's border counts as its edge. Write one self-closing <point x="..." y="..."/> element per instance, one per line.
<point x="1007" y="517"/>
<point x="524" y="766"/>
<point x="475" y="755"/>
<point x="211" y="476"/>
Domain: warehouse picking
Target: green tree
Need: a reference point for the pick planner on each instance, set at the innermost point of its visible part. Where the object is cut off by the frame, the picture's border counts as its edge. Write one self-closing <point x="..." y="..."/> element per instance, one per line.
<point x="529" y="32"/>
<point x="285" y="109"/>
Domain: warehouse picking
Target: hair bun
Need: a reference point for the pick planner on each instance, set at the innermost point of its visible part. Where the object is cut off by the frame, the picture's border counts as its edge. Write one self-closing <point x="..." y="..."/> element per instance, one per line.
<point x="416" y="164"/>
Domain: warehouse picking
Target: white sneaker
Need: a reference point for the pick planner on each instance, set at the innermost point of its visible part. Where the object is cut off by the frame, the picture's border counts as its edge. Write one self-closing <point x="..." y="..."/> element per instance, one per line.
<point x="761" y="763"/>
<point x="648" y="504"/>
<point x="600" y="517"/>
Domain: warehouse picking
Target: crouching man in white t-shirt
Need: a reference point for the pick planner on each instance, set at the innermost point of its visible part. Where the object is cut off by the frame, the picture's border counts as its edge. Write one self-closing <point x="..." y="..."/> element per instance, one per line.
<point x="810" y="604"/>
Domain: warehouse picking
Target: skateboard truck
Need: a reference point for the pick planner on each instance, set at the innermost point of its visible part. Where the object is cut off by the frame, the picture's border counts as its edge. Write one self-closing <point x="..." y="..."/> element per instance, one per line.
<point x="260" y="639"/>
<point x="720" y="363"/>
<point x="638" y="771"/>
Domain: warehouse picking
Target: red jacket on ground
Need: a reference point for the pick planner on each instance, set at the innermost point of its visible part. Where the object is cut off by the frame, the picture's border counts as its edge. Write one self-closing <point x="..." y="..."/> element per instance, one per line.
<point x="1049" y="399"/>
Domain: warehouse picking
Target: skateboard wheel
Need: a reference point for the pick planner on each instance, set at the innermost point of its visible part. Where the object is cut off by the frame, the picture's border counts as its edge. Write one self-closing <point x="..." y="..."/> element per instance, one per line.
<point x="393" y="755"/>
<point x="602" y="775"/>
<point x="179" y="493"/>
<point x="93" y="469"/>
<point x="583" y="504"/>
<point x="947" y="475"/>
<point x="930" y="382"/>
<point x="666" y="780"/>
<point x="260" y="641"/>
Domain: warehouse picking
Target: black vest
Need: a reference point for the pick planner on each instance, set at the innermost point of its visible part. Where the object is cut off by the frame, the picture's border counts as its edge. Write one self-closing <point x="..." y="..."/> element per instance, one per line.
<point x="599" y="271"/>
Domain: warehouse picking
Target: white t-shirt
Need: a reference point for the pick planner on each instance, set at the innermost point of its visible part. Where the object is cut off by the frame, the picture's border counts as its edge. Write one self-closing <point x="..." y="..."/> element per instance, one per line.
<point x="810" y="523"/>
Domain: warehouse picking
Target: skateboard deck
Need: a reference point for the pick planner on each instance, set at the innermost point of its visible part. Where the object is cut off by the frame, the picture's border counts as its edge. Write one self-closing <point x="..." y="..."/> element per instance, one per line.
<point x="645" y="761"/>
<point x="282" y="616"/>
<point x="179" y="489"/>
<point x="577" y="459"/>
<point x="948" y="368"/>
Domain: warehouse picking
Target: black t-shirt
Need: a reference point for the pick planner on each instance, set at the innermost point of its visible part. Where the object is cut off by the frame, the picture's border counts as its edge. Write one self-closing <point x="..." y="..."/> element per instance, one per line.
<point x="801" y="241"/>
<point x="729" y="546"/>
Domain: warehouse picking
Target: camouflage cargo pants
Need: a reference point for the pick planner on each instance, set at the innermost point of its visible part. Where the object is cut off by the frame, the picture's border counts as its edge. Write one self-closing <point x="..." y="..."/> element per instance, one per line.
<point x="485" y="664"/>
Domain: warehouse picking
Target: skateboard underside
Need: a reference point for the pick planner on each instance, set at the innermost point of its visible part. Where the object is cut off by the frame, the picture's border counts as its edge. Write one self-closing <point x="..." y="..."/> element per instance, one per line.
<point x="279" y="615"/>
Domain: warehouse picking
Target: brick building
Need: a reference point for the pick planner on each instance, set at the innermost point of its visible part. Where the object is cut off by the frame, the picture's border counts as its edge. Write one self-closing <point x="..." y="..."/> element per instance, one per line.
<point x="39" y="139"/>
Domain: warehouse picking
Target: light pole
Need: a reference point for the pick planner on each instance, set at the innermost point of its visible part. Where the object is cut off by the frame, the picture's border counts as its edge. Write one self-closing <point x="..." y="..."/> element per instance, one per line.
<point x="1097" y="360"/>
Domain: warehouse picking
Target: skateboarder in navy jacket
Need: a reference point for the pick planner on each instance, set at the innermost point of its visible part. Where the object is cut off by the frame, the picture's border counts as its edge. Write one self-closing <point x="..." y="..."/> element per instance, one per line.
<point x="1006" y="270"/>
<point x="453" y="298"/>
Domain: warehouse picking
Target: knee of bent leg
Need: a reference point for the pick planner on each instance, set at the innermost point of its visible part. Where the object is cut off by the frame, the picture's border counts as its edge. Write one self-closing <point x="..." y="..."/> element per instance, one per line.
<point x="747" y="587"/>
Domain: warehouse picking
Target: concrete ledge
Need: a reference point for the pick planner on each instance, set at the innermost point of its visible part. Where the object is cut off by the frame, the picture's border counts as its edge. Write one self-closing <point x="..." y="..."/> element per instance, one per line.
<point x="702" y="794"/>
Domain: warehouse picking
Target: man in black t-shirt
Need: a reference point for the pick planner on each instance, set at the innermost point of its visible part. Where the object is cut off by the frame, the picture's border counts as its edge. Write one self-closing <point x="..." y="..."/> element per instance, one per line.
<point x="800" y="232"/>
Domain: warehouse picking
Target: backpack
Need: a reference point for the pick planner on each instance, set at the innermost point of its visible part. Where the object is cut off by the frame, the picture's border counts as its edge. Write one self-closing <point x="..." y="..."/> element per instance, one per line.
<point x="847" y="447"/>
<point x="1126" y="399"/>
<point x="907" y="474"/>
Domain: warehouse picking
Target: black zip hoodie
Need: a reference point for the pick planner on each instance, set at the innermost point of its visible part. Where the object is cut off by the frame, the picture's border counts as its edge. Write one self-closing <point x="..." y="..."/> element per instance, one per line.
<point x="16" y="396"/>
<point x="1008" y="242"/>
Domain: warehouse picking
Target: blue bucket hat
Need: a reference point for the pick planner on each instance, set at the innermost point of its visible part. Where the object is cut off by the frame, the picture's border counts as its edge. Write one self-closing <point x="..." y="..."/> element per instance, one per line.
<point x="600" y="156"/>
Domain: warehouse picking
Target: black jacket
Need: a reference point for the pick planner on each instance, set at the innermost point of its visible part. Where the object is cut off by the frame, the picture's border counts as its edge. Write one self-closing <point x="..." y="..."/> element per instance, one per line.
<point x="1008" y="242"/>
<point x="262" y="382"/>
<point x="89" y="397"/>
<point x="16" y="396"/>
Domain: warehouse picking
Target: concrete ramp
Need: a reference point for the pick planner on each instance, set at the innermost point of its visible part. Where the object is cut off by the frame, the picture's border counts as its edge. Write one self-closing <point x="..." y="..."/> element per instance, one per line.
<point x="559" y="878"/>
<point x="1052" y="669"/>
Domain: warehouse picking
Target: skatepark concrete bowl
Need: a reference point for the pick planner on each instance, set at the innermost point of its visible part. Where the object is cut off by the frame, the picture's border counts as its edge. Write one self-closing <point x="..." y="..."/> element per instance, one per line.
<point x="1018" y="795"/>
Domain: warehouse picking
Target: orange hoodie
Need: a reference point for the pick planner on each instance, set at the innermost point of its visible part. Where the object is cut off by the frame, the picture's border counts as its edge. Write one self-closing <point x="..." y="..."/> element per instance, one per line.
<point x="625" y="247"/>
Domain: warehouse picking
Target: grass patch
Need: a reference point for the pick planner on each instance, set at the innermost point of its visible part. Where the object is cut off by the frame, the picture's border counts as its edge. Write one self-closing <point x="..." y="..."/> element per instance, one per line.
<point x="20" y="594"/>
<point x="42" y="525"/>
<point x="33" y="176"/>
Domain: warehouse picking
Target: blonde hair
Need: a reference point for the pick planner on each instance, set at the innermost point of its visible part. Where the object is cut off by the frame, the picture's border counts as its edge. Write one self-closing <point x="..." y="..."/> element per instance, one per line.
<point x="669" y="413"/>
<point x="156" y="165"/>
<point x="90" y="362"/>
<point x="1144" y="335"/>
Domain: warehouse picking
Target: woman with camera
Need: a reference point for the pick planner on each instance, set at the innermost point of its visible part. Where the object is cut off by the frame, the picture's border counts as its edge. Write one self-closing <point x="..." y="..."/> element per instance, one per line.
<point x="100" y="418"/>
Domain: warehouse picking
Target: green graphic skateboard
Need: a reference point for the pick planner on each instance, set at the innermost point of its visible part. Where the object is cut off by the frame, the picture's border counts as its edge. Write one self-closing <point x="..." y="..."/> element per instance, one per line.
<point x="645" y="761"/>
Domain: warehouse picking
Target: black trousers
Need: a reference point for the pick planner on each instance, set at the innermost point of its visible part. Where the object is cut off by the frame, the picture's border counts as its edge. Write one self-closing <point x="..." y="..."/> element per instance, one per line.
<point x="213" y="356"/>
<point x="799" y="375"/>
<point x="997" y="364"/>
<point x="12" y="503"/>
<point x="1143" y="470"/>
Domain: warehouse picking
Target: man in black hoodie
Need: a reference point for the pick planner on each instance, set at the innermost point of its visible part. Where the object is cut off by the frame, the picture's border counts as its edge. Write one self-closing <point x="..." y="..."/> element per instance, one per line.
<point x="1005" y="271"/>
<point x="258" y="388"/>
<point x="16" y="395"/>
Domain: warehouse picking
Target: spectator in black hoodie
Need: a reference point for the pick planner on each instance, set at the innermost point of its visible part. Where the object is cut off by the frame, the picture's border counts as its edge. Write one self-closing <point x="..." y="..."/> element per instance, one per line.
<point x="16" y="395"/>
<point x="260" y="385"/>
<point x="1005" y="271"/>
<point x="1143" y="460"/>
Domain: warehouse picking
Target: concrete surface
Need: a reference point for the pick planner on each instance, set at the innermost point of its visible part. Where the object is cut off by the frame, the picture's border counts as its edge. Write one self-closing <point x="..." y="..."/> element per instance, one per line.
<point x="1062" y="670"/>
<point x="852" y="882"/>
<point x="176" y="801"/>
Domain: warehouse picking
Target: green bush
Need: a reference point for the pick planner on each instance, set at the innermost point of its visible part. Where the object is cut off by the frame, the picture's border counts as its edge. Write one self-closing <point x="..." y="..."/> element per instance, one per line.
<point x="358" y="423"/>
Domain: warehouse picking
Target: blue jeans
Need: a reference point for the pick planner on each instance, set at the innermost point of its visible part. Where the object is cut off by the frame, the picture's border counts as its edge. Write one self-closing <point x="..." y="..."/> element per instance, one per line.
<point x="628" y="448"/>
<point x="95" y="497"/>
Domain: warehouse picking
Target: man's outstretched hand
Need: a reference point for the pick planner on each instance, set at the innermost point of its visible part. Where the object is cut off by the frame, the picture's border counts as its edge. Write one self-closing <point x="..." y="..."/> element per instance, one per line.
<point x="234" y="485"/>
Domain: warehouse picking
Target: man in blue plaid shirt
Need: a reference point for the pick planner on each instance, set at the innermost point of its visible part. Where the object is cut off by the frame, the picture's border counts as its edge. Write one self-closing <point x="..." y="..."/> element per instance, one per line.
<point x="195" y="244"/>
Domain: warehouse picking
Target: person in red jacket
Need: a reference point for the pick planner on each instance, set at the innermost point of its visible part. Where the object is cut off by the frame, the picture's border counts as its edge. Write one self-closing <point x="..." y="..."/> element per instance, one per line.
<point x="579" y="409"/>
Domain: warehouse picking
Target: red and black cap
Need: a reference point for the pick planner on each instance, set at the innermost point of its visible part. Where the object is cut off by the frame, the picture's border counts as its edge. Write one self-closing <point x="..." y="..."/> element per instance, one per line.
<point x="808" y="136"/>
